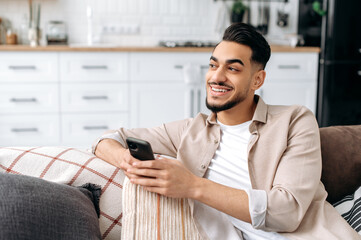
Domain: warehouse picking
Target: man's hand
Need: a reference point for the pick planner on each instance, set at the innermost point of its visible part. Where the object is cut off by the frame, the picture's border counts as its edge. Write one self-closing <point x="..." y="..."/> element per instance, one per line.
<point x="127" y="162"/>
<point x="165" y="176"/>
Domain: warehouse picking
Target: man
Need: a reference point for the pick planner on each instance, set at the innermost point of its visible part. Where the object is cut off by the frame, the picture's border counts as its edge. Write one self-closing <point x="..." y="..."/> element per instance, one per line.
<point x="250" y="170"/>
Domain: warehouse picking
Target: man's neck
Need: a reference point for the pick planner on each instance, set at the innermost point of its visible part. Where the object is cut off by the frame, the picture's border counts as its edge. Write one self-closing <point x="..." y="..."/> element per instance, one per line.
<point x="241" y="113"/>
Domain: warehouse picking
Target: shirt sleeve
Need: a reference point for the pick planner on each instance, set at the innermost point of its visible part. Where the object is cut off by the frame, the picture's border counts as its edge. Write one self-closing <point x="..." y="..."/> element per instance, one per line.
<point x="257" y="206"/>
<point x="164" y="139"/>
<point x="111" y="135"/>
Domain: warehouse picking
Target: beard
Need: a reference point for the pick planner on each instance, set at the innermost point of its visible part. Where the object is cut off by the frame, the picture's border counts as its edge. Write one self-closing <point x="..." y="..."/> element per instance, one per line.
<point x="228" y="105"/>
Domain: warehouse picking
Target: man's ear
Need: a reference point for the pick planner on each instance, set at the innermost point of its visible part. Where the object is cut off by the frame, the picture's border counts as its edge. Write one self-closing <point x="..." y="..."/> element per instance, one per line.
<point x="258" y="79"/>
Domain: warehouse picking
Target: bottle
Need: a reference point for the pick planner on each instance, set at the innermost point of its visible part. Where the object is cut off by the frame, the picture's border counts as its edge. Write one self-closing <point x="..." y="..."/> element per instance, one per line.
<point x="24" y="29"/>
<point x="1" y="32"/>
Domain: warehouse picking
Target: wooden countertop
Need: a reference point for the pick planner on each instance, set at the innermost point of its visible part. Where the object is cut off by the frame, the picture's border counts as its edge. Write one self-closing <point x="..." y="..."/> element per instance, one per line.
<point x="15" y="48"/>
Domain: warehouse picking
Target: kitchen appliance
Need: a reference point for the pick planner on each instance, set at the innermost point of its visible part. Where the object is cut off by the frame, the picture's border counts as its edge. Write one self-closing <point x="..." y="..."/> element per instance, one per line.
<point x="309" y="23"/>
<point x="56" y="33"/>
<point x="339" y="98"/>
<point x="172" y="44"/>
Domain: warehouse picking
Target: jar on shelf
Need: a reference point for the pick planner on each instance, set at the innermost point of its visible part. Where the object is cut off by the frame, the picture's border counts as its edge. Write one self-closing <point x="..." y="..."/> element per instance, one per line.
<point x="2" y="32"/>
<point x="11" y="37"/>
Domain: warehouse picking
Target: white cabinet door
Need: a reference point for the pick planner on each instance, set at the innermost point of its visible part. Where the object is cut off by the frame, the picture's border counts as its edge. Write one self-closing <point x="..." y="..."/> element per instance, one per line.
<point x="29" y="98"/>
<point x="291" y="79"/>
<point x="155" y="103"/>
<point x="20" y="67"/>
<point x="165" y="66"/>
<point x="81" y="130"/>
<point x="303" y="93"/>
<point x="94" y="97"/>
<point x="292" y="67"/>
<point x="29" y="130"/>
<point x="93" y="67"/>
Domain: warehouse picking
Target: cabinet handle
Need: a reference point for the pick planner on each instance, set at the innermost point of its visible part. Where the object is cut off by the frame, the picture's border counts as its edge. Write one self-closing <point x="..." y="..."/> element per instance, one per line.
<point x="199" y="101"/>
<point x="95" y="128"/>
<point x="181" y="67"/>
<point x="94" y="67"/>
<point x="17" y="130"/>
<point x="30" y="67"/>
<point x="289" y="66"/>
<point x="95" y="97"/>
<point x="192" y="103"/>
<point x="23" y="100"/>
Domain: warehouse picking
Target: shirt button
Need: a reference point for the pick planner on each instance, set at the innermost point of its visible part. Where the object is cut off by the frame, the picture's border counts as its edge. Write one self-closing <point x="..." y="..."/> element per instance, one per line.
<point x="215" y="141"/>
<point x="203" y="166"/>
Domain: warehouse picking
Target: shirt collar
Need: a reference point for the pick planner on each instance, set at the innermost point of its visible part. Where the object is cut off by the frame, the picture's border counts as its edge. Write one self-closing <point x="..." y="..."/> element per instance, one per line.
<point x="260" y="114"/>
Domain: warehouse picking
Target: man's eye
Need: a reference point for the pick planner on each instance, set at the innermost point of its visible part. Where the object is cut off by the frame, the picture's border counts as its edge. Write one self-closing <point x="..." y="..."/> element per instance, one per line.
<point x="212" y="65"/>
<point x="233" y="69"/>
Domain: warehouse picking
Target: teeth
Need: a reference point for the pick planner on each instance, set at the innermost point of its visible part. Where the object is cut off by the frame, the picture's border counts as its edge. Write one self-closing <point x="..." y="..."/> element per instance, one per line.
<point x="219" y="90"/>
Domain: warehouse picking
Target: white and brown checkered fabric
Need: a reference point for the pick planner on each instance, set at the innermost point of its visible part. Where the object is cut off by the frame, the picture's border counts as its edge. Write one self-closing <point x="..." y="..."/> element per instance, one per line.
<point x="73" y="167"/>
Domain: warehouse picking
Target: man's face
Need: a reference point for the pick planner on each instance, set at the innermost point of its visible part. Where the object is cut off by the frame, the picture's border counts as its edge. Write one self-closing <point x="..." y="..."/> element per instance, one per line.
<point x="229" y="77"/>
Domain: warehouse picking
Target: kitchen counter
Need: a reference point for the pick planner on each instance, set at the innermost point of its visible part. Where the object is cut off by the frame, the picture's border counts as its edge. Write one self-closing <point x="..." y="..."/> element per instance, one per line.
<point x="105" y="48"/>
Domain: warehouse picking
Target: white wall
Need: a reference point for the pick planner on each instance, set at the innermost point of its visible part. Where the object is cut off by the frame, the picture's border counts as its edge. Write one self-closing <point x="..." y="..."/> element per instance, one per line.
<point x="157" y="19"/>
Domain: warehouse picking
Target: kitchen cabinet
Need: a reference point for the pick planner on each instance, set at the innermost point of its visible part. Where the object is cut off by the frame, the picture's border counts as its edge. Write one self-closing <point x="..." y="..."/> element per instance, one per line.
<point x="94" y="95"/>
<point x="29" y="99"/>
<point x="291" y="79"/>
<point x="62" y="98"/>
<point x="28" y="67"/>
<point x="71" y="97"/>
<point x="166" y="87"/>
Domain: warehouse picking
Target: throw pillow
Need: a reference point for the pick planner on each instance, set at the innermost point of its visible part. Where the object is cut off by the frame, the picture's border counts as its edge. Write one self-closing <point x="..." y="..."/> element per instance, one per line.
<point x="350" y="209"/>
<point x="72" y="167"/>
<point x="32" y="208"/>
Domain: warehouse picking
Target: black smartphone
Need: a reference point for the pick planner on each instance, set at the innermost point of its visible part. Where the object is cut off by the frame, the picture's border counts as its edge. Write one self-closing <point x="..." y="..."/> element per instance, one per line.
<point x="140" y="149"/>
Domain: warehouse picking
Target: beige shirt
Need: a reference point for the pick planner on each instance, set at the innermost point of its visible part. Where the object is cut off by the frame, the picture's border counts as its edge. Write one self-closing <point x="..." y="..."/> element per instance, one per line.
<point x="284" y="159"/>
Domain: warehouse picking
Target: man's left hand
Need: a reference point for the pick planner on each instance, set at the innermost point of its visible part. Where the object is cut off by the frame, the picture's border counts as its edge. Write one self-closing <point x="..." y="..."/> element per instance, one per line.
<point x="165" y="176"/>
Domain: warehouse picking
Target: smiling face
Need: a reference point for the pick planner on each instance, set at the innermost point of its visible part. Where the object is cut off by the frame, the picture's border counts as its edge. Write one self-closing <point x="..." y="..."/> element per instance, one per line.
<point x="232" y="77"/>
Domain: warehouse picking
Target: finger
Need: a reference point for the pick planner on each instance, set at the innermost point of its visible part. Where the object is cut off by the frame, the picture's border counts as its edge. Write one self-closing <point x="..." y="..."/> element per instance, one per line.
<point x="155" y="164"/>
<point x="124" y="166"/>
<point x="146" y="182"/>
<point x="148" y="172"/>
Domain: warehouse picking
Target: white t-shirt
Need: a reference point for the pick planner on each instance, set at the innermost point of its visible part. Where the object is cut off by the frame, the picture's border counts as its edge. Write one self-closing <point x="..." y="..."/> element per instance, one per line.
<point x="229" y="167"/>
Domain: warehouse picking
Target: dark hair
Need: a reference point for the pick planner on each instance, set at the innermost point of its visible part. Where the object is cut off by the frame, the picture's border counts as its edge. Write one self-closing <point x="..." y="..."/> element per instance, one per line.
<point x="247" y="35"/>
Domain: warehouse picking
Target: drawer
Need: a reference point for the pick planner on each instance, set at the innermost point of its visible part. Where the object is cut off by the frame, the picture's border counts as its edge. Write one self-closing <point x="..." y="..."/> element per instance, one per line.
<point x="93" y="66"/>
<point x="29" y="98"/>
<point x="94" y="97"/>
<point x="292" y="66"/>
<point x="165" y="66"/>
<point x="28" y="67"/>
<point x="83" y="129"/>
<point x="290" y="93"/>
<point x="29" y="130"/>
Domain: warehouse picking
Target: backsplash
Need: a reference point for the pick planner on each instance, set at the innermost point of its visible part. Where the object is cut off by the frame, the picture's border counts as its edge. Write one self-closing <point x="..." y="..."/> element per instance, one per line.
<point x="136" y="22"/>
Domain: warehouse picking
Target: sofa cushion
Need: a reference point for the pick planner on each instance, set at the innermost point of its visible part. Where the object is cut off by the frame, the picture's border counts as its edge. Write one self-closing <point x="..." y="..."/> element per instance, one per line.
<point x="72" y="167"/>
<point x="341" y="160"/>
<point x="54" y="211"/>
<point x="350" y="209"/>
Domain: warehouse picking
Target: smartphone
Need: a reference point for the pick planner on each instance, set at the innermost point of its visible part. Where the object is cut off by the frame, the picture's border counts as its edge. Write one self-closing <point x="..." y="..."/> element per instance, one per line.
<point x="140" y="149"/>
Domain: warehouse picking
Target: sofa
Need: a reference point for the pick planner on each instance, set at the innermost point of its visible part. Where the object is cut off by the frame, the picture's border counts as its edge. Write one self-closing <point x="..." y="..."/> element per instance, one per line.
<point x="47" y="191"/>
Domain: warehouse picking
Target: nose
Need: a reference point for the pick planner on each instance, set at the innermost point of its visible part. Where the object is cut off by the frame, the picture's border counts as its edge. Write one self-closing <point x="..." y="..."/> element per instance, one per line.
<point x="217" y="75"/>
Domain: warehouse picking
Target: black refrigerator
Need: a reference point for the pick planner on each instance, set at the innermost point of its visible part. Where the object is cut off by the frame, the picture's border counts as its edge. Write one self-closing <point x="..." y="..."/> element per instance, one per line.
<point x="339" y="87"/>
